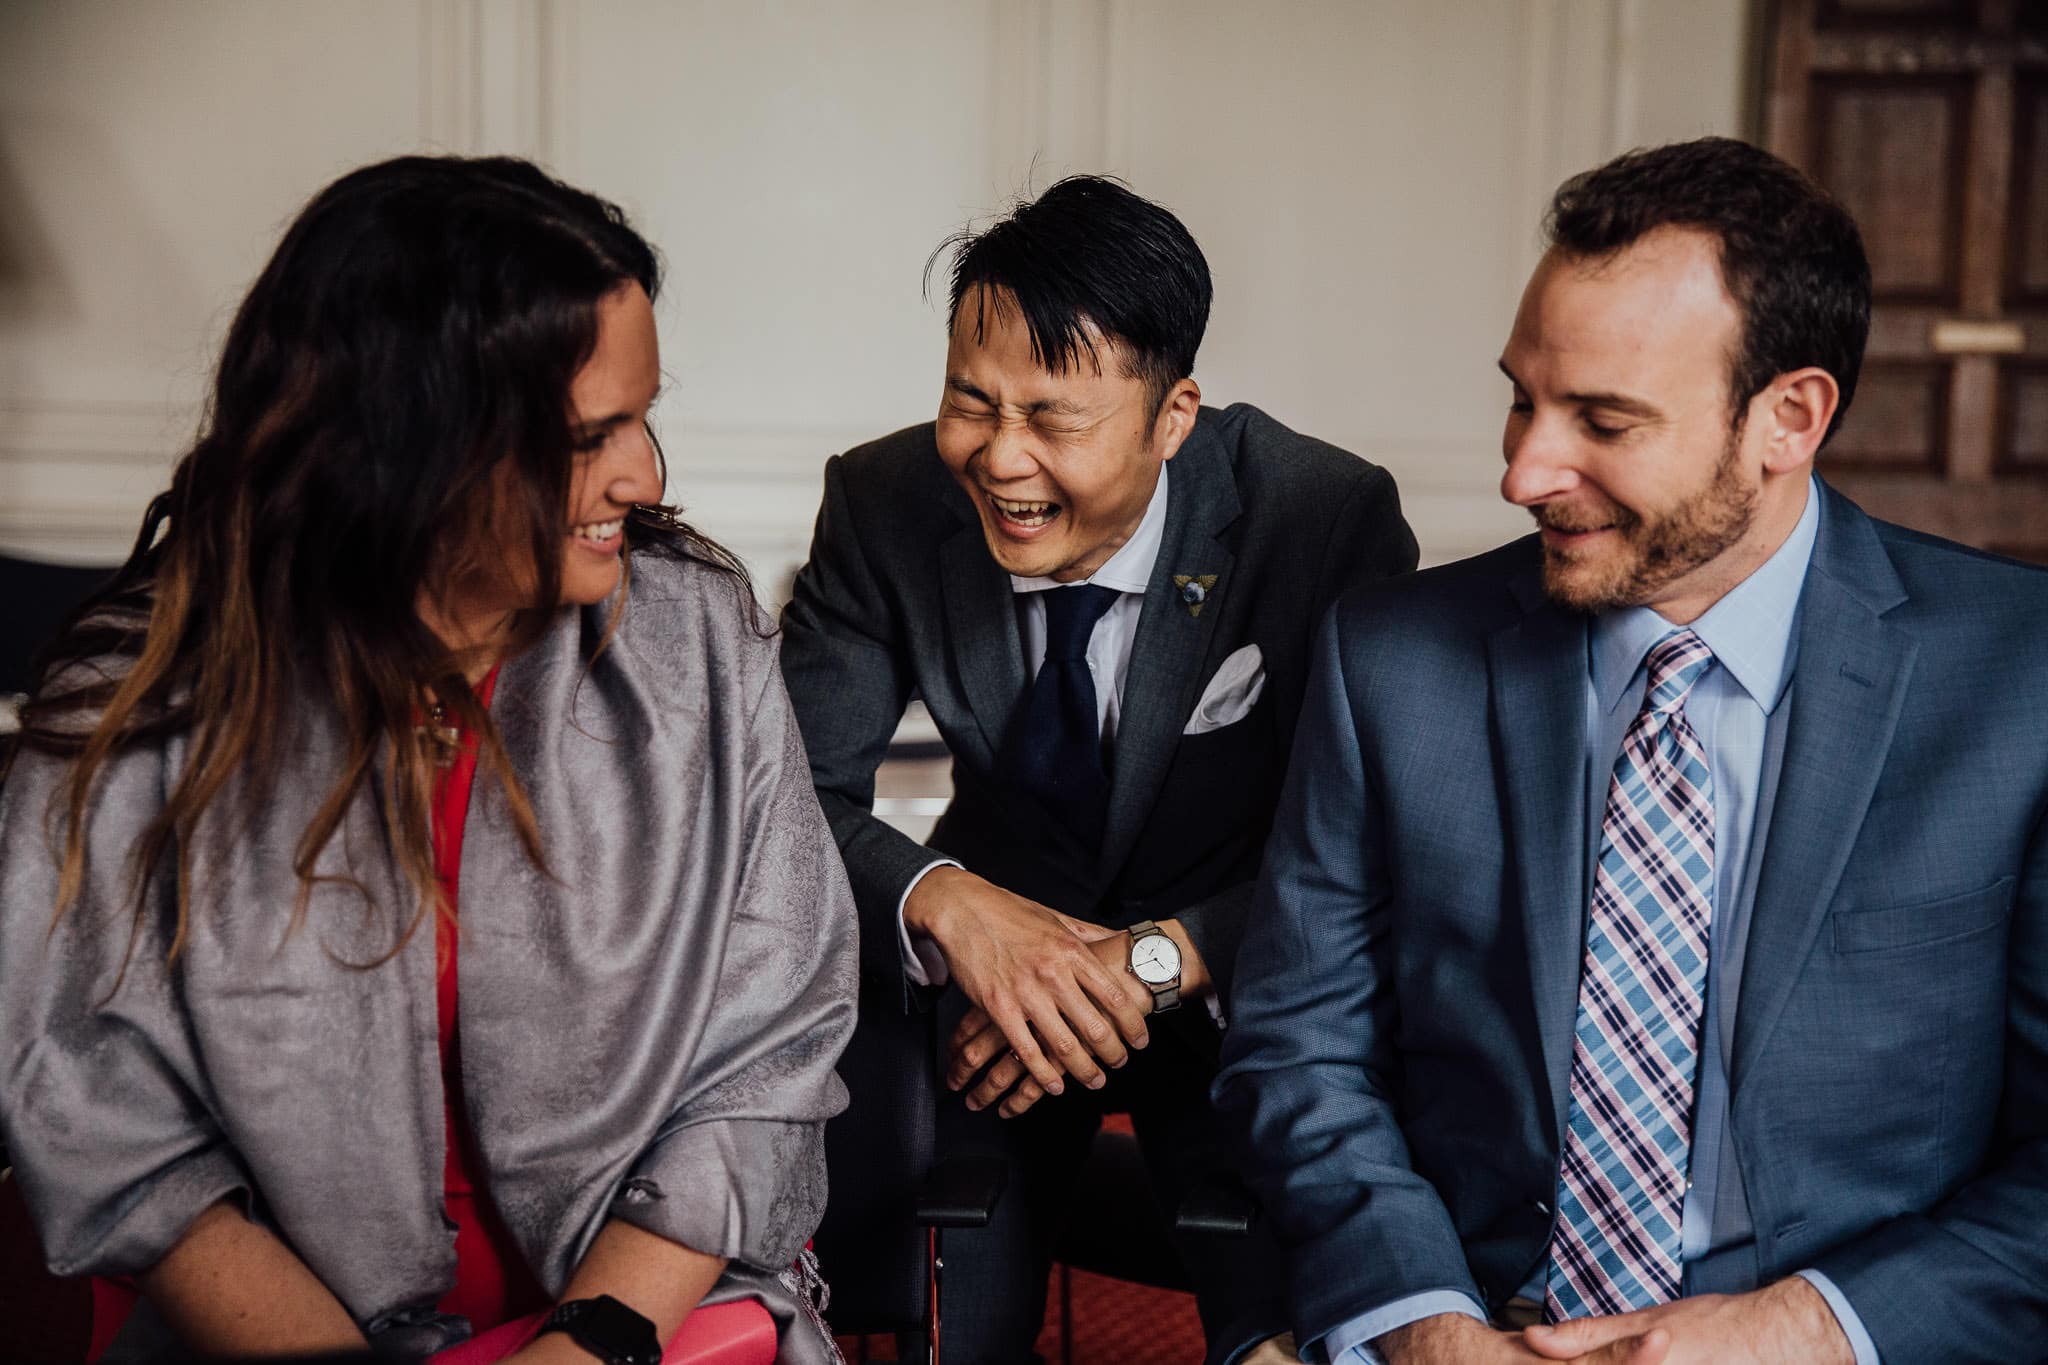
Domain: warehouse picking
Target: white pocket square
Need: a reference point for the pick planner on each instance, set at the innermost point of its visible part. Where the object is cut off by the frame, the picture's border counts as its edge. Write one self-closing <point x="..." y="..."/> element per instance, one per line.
<point x="1231" y="694"/>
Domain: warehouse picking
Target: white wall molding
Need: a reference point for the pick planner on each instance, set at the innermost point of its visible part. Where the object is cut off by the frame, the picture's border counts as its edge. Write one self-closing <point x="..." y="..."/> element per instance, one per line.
<point x="493" y="76"/>
<point x="451" y="74"/>
<point x="1049" y="90"/>
<point x="74" y="477"/>
<point x="1118" y="43"/>
<point x="1367" y="178"/>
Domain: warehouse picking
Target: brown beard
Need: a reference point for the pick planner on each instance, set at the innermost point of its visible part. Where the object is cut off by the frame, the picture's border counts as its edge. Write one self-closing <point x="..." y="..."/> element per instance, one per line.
<point x="1655" y="551"/>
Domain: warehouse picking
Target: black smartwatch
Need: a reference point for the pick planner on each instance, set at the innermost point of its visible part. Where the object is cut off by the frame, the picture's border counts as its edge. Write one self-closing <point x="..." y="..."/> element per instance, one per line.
<point x="607" y="1329"/>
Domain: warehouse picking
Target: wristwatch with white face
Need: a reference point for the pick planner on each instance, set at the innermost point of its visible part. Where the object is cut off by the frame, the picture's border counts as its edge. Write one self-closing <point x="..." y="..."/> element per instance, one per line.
<point x="1155" y="960"/>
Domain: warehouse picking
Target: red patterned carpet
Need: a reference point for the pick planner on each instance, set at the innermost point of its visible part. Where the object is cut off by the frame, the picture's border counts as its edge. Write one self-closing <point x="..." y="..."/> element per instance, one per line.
<point x="1115" y="1323"/>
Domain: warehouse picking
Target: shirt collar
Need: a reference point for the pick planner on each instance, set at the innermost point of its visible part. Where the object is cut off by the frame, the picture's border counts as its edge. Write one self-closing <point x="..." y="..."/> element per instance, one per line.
<point x="1749" y="629"/>
<point x="1130" y="568"/>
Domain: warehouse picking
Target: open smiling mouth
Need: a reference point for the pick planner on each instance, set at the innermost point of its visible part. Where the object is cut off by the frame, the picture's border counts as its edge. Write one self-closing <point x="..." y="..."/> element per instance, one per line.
<point x="598" y="535"/>
<point x="1026" y="515"/>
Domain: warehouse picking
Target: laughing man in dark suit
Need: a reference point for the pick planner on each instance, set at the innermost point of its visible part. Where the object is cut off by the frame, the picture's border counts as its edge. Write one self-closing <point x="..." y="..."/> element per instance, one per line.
<point x="1104" y="593"/>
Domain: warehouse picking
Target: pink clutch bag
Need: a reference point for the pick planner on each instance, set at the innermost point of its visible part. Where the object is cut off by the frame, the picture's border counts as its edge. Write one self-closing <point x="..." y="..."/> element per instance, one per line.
<point x="737" y="1333"/>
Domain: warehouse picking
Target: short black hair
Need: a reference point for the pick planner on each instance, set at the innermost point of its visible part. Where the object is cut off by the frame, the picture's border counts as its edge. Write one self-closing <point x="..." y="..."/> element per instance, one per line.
<point x="1089" y="252"/>
<point x="1791" y="256"/>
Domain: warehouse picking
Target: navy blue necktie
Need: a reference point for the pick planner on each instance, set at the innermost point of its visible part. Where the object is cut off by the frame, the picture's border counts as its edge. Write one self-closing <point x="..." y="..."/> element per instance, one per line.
<point x="1054" y="746"/>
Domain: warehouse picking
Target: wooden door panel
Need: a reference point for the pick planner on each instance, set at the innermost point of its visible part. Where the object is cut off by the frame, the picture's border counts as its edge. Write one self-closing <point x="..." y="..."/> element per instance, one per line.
<point x="1866" y="13"/>
<point x="2023" y="444"/>
<point x="1898" y="423"/>
<point x="1893" y="150"/>
<point x="2026" y="276"/>
<point x="1929" y="120"/>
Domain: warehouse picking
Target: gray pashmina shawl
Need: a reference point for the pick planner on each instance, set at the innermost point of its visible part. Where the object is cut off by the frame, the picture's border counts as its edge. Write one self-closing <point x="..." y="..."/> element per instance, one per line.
<point x="648" y="1033"/>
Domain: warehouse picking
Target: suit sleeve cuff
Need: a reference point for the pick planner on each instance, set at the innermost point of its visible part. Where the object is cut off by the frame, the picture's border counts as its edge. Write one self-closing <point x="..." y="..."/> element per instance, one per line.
<point x="1852" y="1325"/>
<point x="923" y="963"/>
<point x="1350" y="1341"/>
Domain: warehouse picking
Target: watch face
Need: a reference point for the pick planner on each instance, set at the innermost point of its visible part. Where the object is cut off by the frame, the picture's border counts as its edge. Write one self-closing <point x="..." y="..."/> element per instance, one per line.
<point x="1155" y="959"/>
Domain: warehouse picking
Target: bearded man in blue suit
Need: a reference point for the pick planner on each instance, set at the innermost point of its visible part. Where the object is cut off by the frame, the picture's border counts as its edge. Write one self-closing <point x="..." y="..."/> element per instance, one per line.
<point x="1655" y="962"/>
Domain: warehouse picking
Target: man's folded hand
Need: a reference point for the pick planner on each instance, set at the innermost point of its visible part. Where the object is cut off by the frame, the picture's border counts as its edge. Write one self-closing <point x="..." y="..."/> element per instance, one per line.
<point x="1455" y="1339"/>
<point x="1787" y="1323"/>
<point x="1031" y="974"/>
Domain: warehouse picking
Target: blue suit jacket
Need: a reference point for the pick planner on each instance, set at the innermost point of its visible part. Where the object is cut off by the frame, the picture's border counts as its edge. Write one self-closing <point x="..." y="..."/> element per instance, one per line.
<point x="1400" y="1049"/>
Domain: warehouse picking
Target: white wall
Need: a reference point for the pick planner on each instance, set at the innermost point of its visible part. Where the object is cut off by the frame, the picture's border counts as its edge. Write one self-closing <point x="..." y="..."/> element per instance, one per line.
<point x="1365" y="175"/>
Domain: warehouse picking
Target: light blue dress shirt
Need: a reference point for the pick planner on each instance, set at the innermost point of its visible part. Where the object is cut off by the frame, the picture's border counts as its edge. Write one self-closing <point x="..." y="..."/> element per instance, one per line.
<point x="1732" y="710"/>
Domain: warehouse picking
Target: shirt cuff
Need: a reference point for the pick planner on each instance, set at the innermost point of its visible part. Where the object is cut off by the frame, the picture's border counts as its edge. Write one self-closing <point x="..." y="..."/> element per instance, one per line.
<point x="923" y="963"/>
<point x="1350" y="1341"/>
<point x="1852" y="1326"/>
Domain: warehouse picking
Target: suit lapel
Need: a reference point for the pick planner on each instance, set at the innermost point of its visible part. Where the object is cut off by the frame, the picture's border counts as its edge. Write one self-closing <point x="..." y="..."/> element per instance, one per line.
<point x="1171" y="642"/>
<point x="981" y="631"/>
<point x="1848" y="687"/>
<point x="1537" y="668"/>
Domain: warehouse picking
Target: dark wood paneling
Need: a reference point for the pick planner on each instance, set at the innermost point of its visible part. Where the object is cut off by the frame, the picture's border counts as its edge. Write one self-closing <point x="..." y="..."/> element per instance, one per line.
<point x="2023" y="435"/>
<point x="2012" y="513"/>
<point x="2026" y="255"/>
<point x="1889" y="13"/>
<point x="1898" y="420"/>
<point x="1930" y="120"/>
<point x="1933" y="51"/>
<point x="1894" y="151"/>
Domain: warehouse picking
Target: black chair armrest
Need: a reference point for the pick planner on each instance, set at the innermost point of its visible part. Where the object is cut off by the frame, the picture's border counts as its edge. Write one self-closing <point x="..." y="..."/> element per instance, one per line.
<point x="1222" y="1209"/>
<point x="961" y="1192"/>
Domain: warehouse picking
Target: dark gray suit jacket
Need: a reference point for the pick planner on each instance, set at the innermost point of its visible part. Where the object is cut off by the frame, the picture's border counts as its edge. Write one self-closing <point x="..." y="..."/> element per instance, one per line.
<point x="1400" y="1046"/>
<point x="901" y="598"/>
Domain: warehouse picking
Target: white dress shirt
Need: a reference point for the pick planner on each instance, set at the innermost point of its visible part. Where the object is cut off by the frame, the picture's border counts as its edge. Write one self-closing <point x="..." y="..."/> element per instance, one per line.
<point x="1128" y="571"/>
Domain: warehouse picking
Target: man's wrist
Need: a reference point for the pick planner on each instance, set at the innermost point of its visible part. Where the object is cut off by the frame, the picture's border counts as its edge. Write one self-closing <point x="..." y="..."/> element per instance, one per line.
<point x="1814" y="1320"/>
<point x="925" y="907"/>
<point x="1438" y="1337"/>
<point x="1195" y="981"/>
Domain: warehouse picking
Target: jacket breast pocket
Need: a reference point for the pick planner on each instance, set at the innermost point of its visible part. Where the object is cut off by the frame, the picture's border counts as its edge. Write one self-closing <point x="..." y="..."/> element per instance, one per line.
<point x="1926" y="924"/>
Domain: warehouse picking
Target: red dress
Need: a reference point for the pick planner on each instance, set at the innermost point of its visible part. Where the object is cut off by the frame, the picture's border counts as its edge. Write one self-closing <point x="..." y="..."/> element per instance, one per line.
<point x="492" y="1281"/>
<point x="493" y="1286"/>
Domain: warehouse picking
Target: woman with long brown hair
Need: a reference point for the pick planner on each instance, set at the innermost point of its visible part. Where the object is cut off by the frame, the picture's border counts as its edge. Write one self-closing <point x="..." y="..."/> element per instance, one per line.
<point x="414" y="908"/>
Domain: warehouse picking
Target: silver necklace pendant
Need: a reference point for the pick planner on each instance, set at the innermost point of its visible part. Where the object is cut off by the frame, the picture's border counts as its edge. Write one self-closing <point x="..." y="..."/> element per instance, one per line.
<point x="446" y="739"/>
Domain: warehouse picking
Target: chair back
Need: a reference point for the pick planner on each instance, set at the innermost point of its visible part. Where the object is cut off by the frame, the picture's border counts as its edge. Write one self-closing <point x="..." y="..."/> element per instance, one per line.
<point x="34" y="600"/>
<point x="871" y="1248"/>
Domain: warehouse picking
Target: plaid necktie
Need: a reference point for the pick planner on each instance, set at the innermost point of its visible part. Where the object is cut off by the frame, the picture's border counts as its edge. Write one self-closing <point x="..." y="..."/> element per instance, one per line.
<point x="1642" y="993"/>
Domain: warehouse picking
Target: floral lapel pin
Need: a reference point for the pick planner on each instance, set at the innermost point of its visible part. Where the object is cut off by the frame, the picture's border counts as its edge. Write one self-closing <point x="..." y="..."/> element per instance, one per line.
<point x="1194" y="590"/>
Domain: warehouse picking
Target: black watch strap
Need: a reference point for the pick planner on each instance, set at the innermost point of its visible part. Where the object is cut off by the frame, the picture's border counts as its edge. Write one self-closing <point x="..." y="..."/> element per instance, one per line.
<point x="607" y="1329"/>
